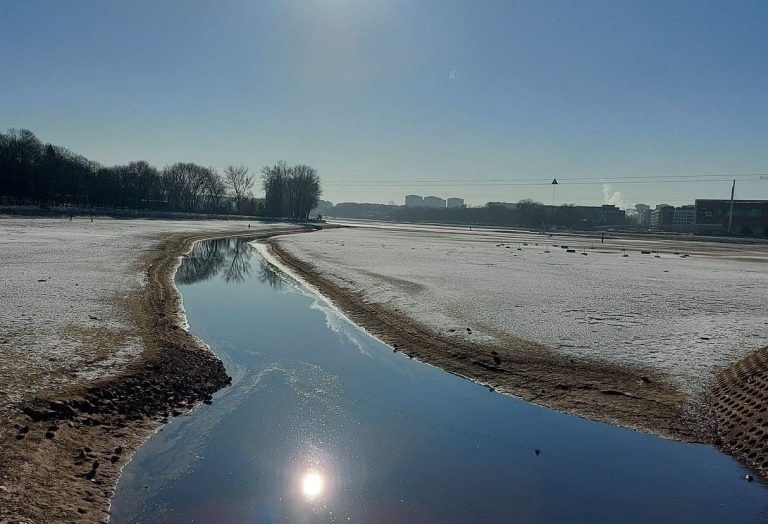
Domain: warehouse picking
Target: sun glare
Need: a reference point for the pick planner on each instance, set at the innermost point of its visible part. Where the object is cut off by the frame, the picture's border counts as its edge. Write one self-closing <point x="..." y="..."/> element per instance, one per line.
<point x="312" y="485"/>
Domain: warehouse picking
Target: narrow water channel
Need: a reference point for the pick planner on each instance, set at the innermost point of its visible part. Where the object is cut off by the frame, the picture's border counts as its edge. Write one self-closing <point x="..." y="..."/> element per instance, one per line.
<point x="323" y="423"/>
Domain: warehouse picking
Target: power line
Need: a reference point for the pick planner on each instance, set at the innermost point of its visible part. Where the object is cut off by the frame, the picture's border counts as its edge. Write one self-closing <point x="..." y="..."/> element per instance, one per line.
<point x="426" y="184"/>
<point x="546" y="179"/>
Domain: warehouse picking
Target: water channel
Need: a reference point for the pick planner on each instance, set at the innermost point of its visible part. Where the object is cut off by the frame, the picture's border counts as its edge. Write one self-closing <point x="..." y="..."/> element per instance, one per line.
<point x="324" y="423"/>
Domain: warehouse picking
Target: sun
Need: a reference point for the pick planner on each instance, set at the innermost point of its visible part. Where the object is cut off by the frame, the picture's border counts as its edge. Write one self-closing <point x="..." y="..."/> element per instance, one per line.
<point x="312" y="484"/>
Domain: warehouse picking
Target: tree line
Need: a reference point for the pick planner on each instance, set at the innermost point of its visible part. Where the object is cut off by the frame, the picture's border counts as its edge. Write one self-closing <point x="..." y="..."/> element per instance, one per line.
<point x="35" y="173"/>
<point x="291" y="191"/>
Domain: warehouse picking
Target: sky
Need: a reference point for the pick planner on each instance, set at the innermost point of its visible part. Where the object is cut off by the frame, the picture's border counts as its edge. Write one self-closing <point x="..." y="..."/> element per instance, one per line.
<point x="485" y="100"/>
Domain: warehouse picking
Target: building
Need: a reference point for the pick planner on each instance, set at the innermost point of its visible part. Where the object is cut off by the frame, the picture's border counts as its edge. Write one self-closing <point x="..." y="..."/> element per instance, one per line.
<point x="455" y="202"/>
<point x="683" y="218"/>
<point x="662" y="216"/>
<point x="588" y="217"/>
<point x="434" y="202"/>
<point x="596" y="216"/>
<point x="643" y="215"/>
<point x="750" y="217"/>
<point x="610" y="215"/>
<point x="414" y="201"/>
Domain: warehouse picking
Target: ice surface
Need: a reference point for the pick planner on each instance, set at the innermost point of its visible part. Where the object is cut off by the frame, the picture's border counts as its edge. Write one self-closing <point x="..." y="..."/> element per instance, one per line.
<point x="686" y="318"/>
<point x="60" y="285"/>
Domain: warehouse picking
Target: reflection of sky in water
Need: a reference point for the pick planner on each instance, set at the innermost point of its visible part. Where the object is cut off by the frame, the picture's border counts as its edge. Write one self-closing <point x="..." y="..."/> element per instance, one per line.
<point x="340" y="325"/>
<point x="324" y="423"/>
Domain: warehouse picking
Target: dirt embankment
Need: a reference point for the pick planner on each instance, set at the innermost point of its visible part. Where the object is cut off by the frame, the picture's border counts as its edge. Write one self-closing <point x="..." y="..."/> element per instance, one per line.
<point x="61" y="457"/>
<point x="524" y="369"/>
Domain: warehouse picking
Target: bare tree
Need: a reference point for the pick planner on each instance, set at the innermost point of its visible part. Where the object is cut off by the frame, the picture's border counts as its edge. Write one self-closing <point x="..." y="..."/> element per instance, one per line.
<point x="33" y="172"/>
<point x="290" y="191"/>
<point x="215" y="189"/>
<point x="274" y="179"/>
<point x="303" y="191"/>
<point x="239" y="182"/>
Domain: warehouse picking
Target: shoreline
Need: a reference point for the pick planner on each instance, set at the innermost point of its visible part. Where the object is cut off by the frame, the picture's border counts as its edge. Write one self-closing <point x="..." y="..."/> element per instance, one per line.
<point x="62" y="455"/>
<point x="526" y="370"/>
<point x="731" y="418"/>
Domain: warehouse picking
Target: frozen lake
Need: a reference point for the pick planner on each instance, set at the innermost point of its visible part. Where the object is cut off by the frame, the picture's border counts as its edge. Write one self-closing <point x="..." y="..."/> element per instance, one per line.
<point x="324" y="423"/>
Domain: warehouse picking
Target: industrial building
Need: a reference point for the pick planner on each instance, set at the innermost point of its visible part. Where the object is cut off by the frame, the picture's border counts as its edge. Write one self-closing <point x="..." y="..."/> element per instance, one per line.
<point x="455" y="202"/>
<point x="750" y="217"/>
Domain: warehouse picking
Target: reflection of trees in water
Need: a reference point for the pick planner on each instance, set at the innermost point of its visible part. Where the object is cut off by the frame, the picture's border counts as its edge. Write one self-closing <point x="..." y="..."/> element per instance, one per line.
<point x="232" y="256"/>
<point x="228" y="257"/>
<point x="239" y="265"/>
<point x="269" y="275"/>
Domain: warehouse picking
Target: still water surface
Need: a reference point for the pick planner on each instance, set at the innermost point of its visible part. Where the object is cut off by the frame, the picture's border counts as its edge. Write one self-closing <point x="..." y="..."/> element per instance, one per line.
<point x="323" y="423"/>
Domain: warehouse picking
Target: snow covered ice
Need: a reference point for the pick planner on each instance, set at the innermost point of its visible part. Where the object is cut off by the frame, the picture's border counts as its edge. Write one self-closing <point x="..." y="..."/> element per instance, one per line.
<point x="683" y="317"/>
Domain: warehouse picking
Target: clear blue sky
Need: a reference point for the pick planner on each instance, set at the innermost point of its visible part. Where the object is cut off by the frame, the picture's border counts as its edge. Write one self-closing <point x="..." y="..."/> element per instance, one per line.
<point x="403" y="90"/>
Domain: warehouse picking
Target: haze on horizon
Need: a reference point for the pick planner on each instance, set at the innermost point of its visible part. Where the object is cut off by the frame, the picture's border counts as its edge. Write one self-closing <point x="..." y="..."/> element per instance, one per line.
<point x="387" y="98"/>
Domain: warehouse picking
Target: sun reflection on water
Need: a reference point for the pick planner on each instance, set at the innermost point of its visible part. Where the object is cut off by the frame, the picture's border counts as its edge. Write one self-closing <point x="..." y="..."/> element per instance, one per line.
<point x="312" y="485"/>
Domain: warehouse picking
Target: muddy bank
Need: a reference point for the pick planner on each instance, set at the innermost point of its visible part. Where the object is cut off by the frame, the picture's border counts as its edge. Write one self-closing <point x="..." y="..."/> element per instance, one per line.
<point x="530" y="371"/>
<point x="61" y="455"/>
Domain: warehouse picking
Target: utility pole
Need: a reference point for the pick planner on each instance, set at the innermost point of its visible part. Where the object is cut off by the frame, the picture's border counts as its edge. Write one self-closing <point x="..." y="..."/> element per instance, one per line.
<point x="730" y="213"/>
